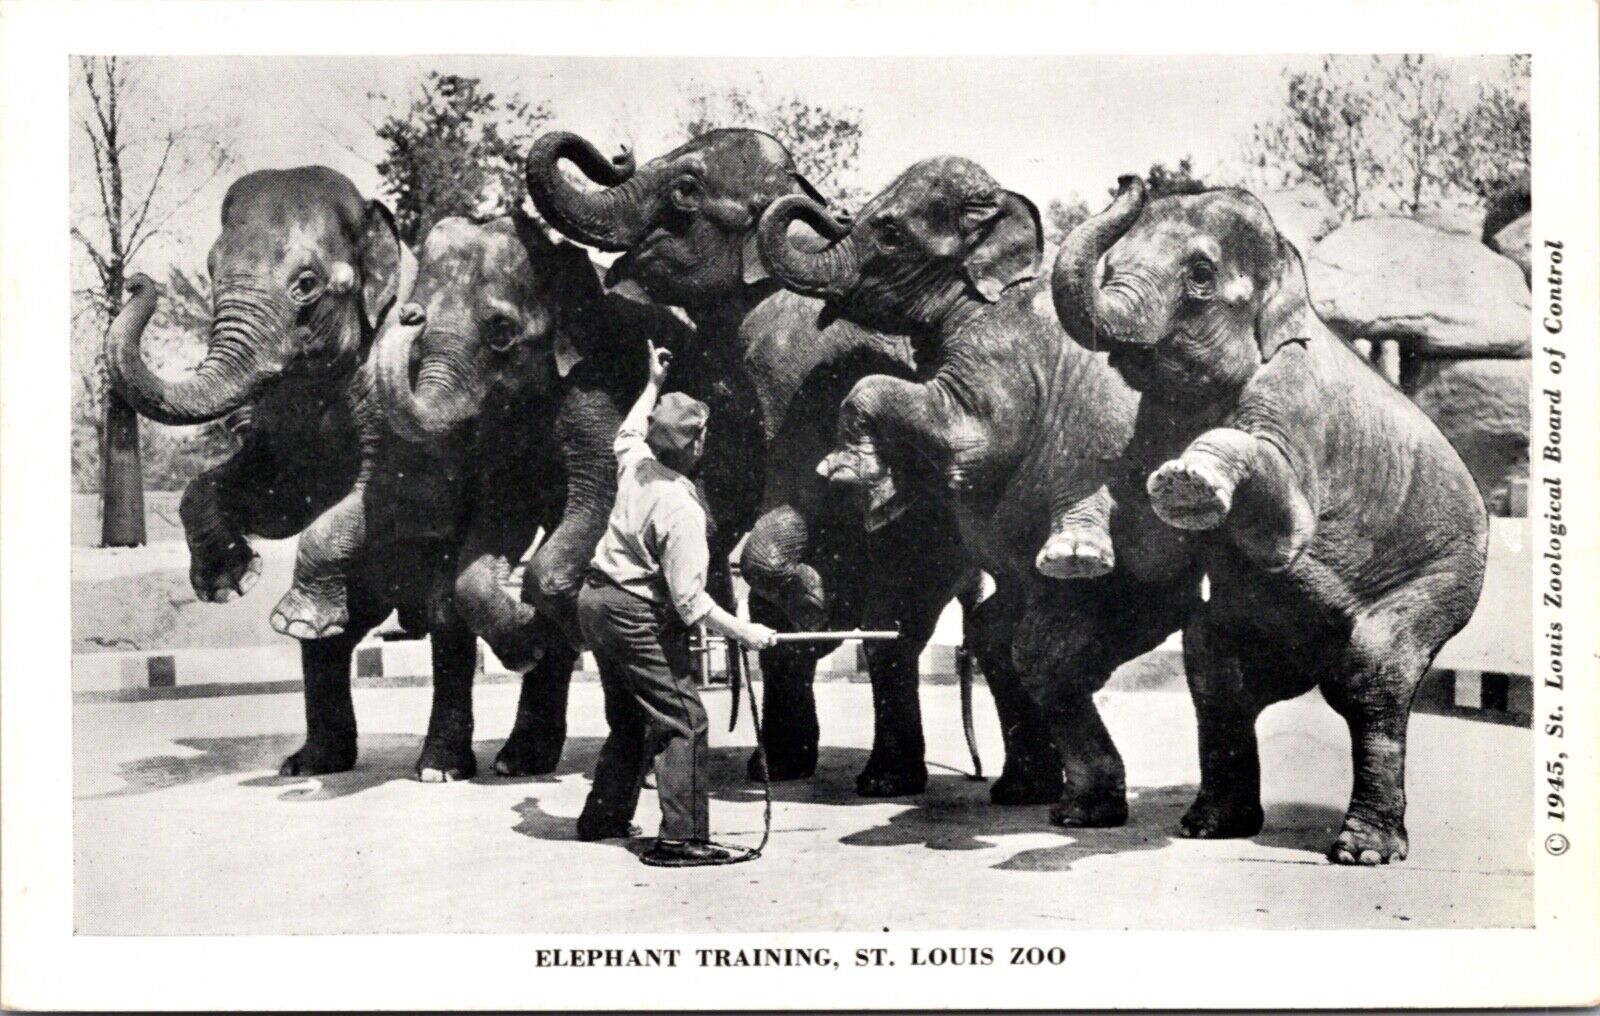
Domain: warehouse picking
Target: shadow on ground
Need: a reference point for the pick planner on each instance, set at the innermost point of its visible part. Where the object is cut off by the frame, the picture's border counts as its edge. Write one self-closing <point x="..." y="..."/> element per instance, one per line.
<point x="383" y="758"/>
<point x="953" y="814"/>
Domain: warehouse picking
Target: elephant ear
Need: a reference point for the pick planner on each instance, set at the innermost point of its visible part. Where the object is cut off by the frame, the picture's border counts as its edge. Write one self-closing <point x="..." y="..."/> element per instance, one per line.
<point x="383" y="264"/>
<point x="580" y="296"/>
<point x="571" y="282"/>
<point x="1006" y="242"/>
<point x="1282" y="316"/>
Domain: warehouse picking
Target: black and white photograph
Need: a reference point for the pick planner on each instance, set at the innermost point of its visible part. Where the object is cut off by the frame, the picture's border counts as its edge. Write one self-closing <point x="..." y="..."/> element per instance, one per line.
<point x="896" y="517"/>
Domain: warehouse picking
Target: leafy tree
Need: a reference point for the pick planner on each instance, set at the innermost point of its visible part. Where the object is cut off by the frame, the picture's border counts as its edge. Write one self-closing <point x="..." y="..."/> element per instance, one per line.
<point x="1495" y="142"/>
<point x="456" y="150"/>
<point x="1061" y="216"/>
<point x="1386" y="133"/>
<point x="1323" y="138"/>
<point x="141" y="169"/>
<point x="1162" y="182"/>
<point x="825" y="142"/>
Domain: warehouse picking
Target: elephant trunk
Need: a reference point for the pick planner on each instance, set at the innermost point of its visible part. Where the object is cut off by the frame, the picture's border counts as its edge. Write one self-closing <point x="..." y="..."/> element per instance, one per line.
<point x="445" y="396"/>
<point x="222" y="382"/>
<point x="612" y="219"/>
<point x="829" y="272"/>
<point x="1080" y="304"/>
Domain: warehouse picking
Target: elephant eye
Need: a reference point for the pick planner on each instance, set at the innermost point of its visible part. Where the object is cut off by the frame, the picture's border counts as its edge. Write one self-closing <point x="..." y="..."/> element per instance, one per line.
<point x="889" y="235"/>
<point x="686" y="193"/>
<point x="501" y="332"/>
<point x="306" y="286"/>
<point x="1202" y="276"/>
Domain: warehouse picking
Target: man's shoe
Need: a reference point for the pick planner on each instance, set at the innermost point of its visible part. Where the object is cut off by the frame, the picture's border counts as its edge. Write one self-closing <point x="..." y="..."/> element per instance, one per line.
<point x="684" y="854"/>
<point x="588" y="833"/>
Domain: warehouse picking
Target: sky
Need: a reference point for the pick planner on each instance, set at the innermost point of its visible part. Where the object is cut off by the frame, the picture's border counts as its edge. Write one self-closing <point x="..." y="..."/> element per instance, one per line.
<point x="1046" y="126"/>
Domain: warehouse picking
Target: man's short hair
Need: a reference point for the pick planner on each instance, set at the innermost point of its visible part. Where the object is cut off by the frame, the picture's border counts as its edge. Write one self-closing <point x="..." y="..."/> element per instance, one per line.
<point x="676" y="424"/>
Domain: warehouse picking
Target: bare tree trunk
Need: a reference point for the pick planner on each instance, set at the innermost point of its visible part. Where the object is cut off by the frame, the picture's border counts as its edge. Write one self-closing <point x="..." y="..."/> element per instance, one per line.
<point x="121" y="472"/>
<point x="121" y="477"/>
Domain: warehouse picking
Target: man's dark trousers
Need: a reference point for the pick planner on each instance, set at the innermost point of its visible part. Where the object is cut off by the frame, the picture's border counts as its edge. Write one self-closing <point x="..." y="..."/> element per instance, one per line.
<point x="652" y="708"/>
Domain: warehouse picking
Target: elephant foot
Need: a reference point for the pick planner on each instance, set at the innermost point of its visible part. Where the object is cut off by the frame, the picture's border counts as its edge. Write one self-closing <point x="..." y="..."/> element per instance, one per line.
<point x="1105" y="812"/>
<point x="1076" y="554"/>
<point x="1190" y="493"/>
<point x="1213" y="820"/>
<point x="307" y="617"/>
<point x="891" y="784"/>
<point x="442" y="762"/>
<point x="781" y="766"/>
<point x="855" y="465"/>
<point x="233" y="574"/>
<point x="320" y="756"/>
<point x="1015" y="788"/>
<point x="1361" y="842"/>
<point x="530" y="754"/>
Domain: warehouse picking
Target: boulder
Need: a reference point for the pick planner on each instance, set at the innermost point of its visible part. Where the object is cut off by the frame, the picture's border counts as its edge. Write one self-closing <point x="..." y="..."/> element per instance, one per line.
<point x="1303" y="215"/>
<point x="1437" y="293"/>
<point x="1516" y="243"/>
<point x="1482" y="407"/>
<point x="1464" y="219"/>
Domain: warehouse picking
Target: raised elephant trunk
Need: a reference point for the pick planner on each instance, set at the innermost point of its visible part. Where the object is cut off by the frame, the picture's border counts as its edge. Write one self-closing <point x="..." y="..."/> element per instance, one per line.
<point x="829" y="272"/>
<point x="442" y="400"/>
<point x="612" y="219"/>
<point x="221" y="383"/>
<point x="1080" y="304"/>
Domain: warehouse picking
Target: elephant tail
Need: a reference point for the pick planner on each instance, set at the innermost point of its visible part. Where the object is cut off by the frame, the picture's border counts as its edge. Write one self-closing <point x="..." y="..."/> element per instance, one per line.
<point x="964" y="669"/>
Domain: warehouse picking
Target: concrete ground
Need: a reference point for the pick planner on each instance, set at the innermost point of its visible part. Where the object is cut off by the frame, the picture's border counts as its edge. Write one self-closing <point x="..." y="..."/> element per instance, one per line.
<point x="182" y="827"/>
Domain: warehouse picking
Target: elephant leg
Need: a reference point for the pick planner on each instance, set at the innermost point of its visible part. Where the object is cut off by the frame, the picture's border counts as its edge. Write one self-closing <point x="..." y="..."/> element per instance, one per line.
<point x="316" y="605"/>
<point x="540" y="730"/>
<point x="1226" y="705"/>
<point x="897" y="764"/>
<point x="1032" y="770"/>
<point x="330" y="745"/>
<point x="221" y="563"/>
<point x="1079" y="546"/>
<point x="788" y="705"/>
<point x="508" y="625"/>
<point x="447" y="750"/>
<point x="1372" y="686"/>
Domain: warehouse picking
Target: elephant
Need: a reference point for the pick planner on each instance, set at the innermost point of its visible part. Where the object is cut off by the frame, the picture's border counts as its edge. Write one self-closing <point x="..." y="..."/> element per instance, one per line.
<point x="1343" y="537"/>
<point x="772" y="370"/>
<point x="303" y="273"/>
<point x="523" y="369"/>
<point x="1021" y="431"/>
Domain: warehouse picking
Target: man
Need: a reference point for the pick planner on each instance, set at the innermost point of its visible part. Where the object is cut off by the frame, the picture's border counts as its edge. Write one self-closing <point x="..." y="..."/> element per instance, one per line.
<point x="645" y="590"/>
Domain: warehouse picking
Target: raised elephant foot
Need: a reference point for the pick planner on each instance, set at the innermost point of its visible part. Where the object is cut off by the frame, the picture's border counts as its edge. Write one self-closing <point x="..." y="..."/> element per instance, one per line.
<point x="781" y="766"/>
<point x="1076" y="554"/>
<point x="530" y="754"/>
<point x="1361" y="842"/>
<point x="1190" y="493"/>
<point x="230" y="575"/>
<point x="891" y="784"/>
<point x="320" y="756"/>
<point x="1016" y="788"/>
<point x="307" y="616"/>
<point x="444" y="762"/>
<point x="1207" y="819"/>
<point x="1090" y="813"/>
